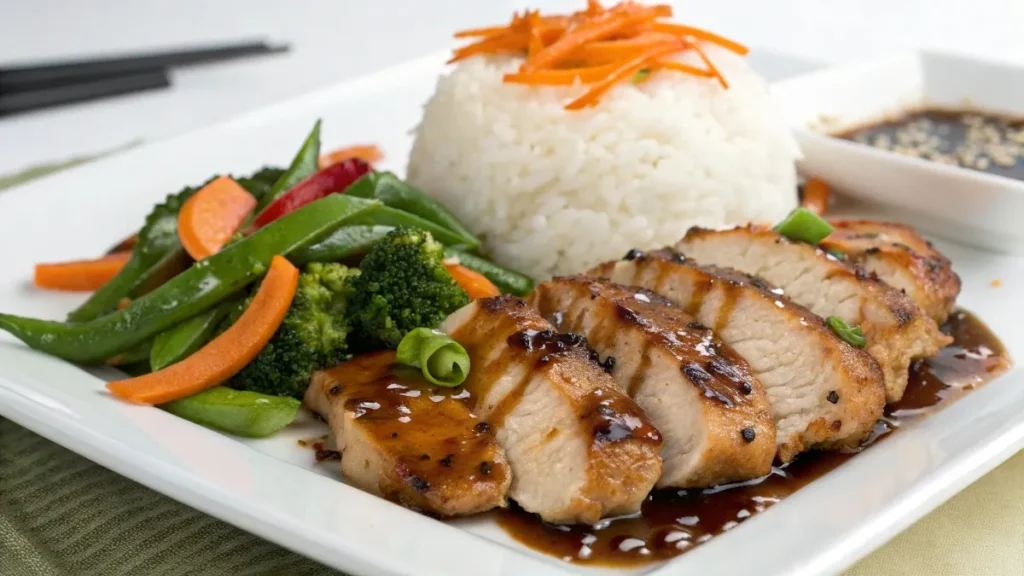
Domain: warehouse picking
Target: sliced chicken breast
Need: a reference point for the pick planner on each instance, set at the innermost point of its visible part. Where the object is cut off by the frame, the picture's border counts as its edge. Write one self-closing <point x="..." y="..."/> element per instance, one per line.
<point x="824" y="393"/>
<point x="408" y="442"/>
<point x="712" y="412"/>
<point x="896" y="329"/>
<point x="579" y="449"/>
<point x="902" y="258"/>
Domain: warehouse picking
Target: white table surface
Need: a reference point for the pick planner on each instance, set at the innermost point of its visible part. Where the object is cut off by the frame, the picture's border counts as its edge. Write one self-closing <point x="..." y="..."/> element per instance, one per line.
<point x="333" y="40"/>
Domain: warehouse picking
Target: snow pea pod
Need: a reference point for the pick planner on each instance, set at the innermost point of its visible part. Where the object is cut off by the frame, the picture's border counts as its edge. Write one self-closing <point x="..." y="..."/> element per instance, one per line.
<point x="396" y="193"/>
<point x="343" y="243"/>
<point x="303" y="166"/>
<point x="192" y="292"/>
<point x="156" y="252"/>
<point x="136" y="354"/>
<point x="173" y="345"/>
<point x="237" y="412"/>
<point x="388" y="216"/>
<point x="365" y="230"/>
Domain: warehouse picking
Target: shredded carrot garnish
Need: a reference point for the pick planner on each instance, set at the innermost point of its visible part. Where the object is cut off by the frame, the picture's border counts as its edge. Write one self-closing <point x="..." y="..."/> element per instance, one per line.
<point x="598" y="47"/>
<point x="536" y="38"/>
<point x="681" y="67"/>
<point x="689" y="31"/>
<point x="601" y="53"/>
<point x="627" y="70"/>
<point x="711" y="67"/>
<point x="566" y="77"/>
<point x="599" y="28"/>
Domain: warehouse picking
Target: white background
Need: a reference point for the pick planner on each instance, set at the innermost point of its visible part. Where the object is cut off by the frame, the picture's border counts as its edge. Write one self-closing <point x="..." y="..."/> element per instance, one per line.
<point x="335" y="40"/>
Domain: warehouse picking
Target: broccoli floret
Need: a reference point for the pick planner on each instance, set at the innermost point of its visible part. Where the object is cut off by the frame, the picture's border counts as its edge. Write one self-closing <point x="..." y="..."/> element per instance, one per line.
<point x="403" y="286"/>
<point x="312" y="336"/>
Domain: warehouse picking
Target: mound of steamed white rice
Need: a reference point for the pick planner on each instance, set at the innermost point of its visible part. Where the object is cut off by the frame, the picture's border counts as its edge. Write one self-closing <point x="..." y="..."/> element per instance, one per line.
<point x="553" y="192"/>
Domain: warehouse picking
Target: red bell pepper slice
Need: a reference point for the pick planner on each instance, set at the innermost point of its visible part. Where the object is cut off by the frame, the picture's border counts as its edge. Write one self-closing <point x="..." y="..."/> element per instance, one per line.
<point x="334" y="179"/>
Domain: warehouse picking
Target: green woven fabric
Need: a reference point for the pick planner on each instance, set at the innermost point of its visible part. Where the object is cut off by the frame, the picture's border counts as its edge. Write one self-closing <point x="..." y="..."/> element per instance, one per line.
<point x="60" y="514"/>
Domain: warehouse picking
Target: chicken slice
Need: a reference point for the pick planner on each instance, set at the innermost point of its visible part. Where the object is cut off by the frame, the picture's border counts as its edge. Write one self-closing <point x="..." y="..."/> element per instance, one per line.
<point x="896" y="330"/>
<point x="824" y="393"/>
<point x="902" y="258"/>
<point x="712" y="412"/>
<point x="410" y="443"/>
<point x="579" y="449"/>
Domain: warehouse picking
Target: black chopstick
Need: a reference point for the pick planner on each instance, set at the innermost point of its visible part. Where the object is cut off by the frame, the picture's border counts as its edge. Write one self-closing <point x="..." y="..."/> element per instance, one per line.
<point x="31" y="78"/>
<point x="26" y="101"/>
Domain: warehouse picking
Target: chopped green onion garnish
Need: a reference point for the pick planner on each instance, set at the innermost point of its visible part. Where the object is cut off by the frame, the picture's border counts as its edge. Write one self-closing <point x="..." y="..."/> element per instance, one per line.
<point x="442" y="360"/>
<point x="851" y="334"/>
<point x="837" y="254"/>
<point x="641" y="74"/>
<point x="802" y="225"/>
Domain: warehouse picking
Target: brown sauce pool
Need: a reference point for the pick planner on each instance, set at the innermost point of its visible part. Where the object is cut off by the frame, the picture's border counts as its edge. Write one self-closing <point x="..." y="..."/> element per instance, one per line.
<point x="971" y="139"/>
<point x="672" y="522"/>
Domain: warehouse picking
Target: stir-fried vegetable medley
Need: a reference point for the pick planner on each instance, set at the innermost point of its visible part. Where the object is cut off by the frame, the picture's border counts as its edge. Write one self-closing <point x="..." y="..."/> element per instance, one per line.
<point x="233" y="293"/>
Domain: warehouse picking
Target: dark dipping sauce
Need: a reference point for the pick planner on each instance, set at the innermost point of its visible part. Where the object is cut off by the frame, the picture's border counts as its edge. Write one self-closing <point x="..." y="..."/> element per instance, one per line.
<point x="981" y="141"/>
<point x="672" y="522"/>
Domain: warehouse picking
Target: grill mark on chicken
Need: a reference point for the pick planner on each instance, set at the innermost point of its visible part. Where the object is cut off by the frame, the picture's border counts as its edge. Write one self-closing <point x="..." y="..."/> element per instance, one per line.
<point x="683" y="377"/>
<point x="397" y="440"/>
<point x="896" y="329"/>
<point x="554" y="408"/>
<point x="778" y="337"/>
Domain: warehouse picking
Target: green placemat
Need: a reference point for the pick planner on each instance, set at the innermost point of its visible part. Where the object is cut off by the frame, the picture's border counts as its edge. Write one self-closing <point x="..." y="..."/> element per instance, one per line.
<point x="60" y="514"/>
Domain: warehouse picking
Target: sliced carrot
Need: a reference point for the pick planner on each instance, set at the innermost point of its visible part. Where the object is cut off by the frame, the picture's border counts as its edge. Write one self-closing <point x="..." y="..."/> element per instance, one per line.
<point x="210" y="217"/>
<point x="697" y="33"/>
<point x="594" y="8"/>
<point x="474" y="283"/>
<point x="815" y="196"/>
<point x="80" y="275"/>
<point x="626" y="70"/>
<point x="368" y="153"/>
<point x="226" y="354"/>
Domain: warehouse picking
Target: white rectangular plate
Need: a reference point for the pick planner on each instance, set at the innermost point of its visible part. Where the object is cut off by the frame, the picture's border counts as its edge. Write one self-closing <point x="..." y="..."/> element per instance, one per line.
<point x="274" y="489"/>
